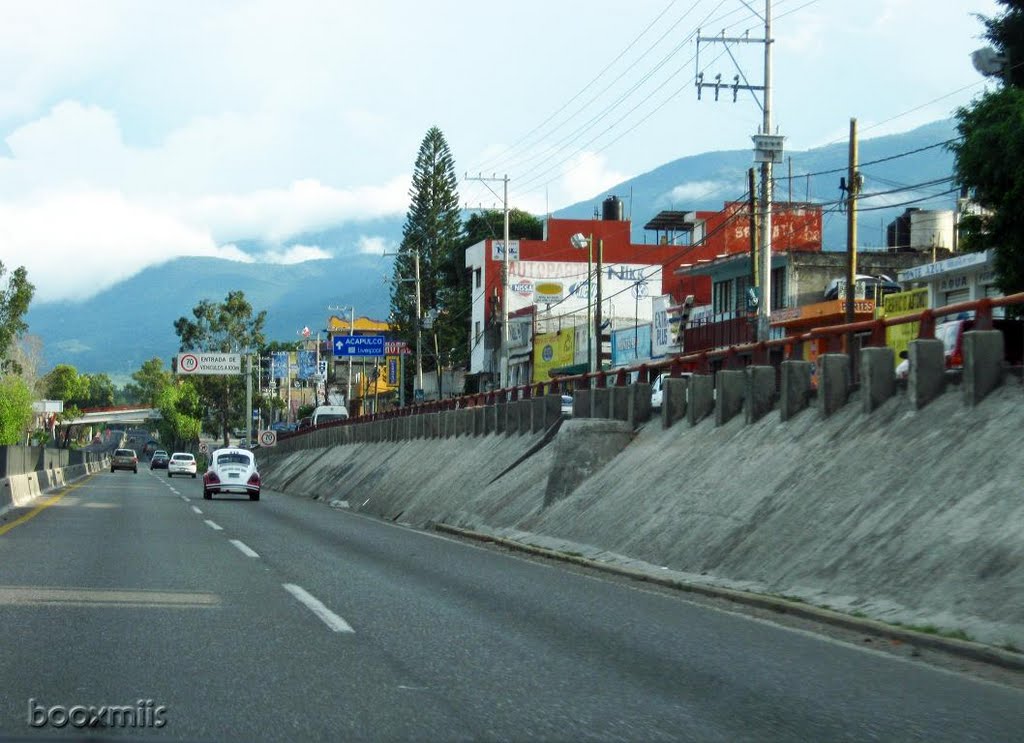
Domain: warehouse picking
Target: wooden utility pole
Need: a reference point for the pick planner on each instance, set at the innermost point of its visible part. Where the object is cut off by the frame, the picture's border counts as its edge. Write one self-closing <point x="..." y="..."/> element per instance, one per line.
<point x="852" y="189"/>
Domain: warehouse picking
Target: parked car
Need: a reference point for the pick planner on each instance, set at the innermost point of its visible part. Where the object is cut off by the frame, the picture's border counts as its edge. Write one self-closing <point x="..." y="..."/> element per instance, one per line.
<point x="125" y="459"/>
<point x="181" y="463"/>
<point x="159" y="460"/>
<point x="951" y="333"/>
<point x="567" y="406"/>
<point x="658" y="388"/>
<point x="232" y="470"/>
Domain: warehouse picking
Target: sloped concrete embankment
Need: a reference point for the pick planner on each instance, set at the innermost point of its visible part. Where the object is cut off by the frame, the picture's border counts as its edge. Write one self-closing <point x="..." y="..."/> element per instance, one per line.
<point x="906" y="514"/>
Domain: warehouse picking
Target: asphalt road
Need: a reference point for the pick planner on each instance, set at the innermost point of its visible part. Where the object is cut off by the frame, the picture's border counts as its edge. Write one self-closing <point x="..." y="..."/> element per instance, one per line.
<point x="286" y="620"/>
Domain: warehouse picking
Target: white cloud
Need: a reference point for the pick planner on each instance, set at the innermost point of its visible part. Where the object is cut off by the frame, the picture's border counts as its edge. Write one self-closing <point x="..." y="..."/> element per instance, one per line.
<point x="293" y="254"/>
<point x="688" y="193"/>
<point x="75" y="244"/>
<point x="372" y="245"/>
<point x="306" y="205"/>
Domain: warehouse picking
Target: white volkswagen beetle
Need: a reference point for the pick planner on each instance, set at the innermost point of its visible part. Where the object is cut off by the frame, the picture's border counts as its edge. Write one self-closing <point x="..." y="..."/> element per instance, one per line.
<point x="232" y="470"/>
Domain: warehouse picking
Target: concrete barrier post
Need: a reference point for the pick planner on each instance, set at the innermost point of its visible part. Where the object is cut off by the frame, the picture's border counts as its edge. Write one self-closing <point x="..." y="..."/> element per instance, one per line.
<point x="524" y="408"/>
<point x="464" y="422"/>
<point x="760" y="393"/>
<point x="552" y="410"/>
<point x="673" y="400"/>
<point x="601" y="403"/>
<point x="480" y="420"/>
<point x="581" y="402"/>
<point x="732" y="387"/>
<point x="538" y="407"/>
<point x="638" y="408"/>
<point x="927" y="376"/>
<point x="877" y="377"/>
<point x="700" y="398"/>
<point x="512" y="418"/>
<point x="490" y="420"/>
<point x="833" y="382"/>
<point x="983" y="363"/>
<point x="796" y="388"/>
<point x="500" y="416"/>
<point x="432" y="425"/>
<point x="620" y="403"/>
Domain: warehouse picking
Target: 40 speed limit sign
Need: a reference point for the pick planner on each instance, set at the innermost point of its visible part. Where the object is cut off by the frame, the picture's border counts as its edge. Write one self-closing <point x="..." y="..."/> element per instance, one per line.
<point x="268" y="438"/>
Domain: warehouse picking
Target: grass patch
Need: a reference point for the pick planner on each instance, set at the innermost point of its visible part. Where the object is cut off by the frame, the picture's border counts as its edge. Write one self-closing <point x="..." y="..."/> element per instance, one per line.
<point x="931" y="629"/>
<point x="1010" y="646"/>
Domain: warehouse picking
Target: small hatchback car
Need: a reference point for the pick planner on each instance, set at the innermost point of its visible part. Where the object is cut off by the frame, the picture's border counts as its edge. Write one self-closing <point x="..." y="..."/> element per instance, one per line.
<point x="125" y="459"/>
<point x="232" y="470"/>
<point x="181" y="463"/>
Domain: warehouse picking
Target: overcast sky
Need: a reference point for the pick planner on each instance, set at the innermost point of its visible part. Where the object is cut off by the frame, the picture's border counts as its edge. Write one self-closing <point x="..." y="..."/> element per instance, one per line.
<point x="135" y="131"/>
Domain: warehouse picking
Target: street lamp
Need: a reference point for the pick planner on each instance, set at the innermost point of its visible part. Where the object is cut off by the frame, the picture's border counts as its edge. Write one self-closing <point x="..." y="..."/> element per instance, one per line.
<point x="580" y="241"/>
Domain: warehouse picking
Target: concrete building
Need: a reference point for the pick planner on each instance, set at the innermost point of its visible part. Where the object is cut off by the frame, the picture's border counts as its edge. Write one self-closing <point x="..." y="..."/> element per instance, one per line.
<point x="958" y="279"/>
<point x="548" y="278"/>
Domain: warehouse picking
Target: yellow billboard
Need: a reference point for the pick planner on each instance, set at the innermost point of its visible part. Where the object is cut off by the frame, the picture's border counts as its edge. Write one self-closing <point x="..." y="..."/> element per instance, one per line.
<point x="551" y="351"/>
<point x="898" y="337"/>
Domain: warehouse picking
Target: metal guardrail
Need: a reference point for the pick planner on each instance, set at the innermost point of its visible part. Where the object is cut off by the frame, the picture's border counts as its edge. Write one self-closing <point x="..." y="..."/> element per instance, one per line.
<point x="871" y="333"/>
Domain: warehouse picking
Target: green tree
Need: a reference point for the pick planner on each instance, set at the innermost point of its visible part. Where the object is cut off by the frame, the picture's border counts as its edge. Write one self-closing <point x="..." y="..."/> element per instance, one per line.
<point x="148" y="382"/>
<point x="990" y="154"/>
<point x="433" y="231"/>
<point x="99" y="391"/>
<point x="490" y="224"/>
<point x="181" y="412"/>
<point x="15" y="409"/>
<point x="226" y="327"/>
<point x="14" y="302"/>
<point x="63" y="382"/>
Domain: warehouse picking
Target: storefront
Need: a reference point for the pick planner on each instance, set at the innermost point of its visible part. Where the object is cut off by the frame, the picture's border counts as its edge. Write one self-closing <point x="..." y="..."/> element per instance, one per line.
<point x="962" y="278"/>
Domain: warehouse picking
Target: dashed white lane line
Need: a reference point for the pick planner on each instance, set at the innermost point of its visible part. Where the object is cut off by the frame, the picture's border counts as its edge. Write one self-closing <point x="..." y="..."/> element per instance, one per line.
<point x="196" y="510"/>
<point x="187" y="500"/>
<point x="328" y="617"/>
<point x="212" y="525"/>
<point x="244" y="548"/>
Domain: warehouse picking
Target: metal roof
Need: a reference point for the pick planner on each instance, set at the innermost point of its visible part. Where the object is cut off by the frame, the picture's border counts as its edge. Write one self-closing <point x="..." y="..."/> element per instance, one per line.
<point x="670" y="221"/>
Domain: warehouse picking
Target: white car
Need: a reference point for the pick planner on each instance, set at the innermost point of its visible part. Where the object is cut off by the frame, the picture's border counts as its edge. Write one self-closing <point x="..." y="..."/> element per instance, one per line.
<point x="567" y="406"/>
<point x="232" y="470"/>
<point x="181" y="463"/>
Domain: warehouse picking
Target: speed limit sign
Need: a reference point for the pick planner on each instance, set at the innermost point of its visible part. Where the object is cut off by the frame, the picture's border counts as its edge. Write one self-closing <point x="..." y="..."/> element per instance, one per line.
<point x="204" y="448"/>
<point x="268" y="438"/>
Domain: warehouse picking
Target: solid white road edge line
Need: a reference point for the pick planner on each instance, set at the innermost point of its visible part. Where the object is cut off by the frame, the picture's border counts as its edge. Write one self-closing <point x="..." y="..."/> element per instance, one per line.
<point x="244" y="548"/>
<point x="213" y="525"/>
<point x="328" y="617"/>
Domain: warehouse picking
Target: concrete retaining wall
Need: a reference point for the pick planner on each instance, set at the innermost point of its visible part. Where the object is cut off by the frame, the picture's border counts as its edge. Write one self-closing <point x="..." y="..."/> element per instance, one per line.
<point x="895" y="514"/>
<point x="18" y="491"/>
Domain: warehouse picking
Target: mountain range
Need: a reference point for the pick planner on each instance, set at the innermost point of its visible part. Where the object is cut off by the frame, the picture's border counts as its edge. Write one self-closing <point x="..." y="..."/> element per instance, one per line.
<point x="119" y="328"/>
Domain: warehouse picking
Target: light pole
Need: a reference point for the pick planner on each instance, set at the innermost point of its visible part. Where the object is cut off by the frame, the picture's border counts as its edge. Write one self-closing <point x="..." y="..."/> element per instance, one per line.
<point x="580" y="241"/>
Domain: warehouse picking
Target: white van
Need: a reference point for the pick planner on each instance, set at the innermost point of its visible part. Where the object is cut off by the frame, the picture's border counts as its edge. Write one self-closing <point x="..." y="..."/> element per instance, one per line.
<point x="328" y="413"/>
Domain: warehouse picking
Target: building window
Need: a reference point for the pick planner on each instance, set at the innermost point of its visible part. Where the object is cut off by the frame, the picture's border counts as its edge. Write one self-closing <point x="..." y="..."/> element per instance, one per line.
<point x="721" y="297"/>
<point x="476" y="276"/>
<point x="778" y="288"/>
<point x="742" y="283"/>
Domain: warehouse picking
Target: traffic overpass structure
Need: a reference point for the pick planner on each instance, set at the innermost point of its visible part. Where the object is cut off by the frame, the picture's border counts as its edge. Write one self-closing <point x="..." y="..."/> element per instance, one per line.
<point x="124" y="414"/>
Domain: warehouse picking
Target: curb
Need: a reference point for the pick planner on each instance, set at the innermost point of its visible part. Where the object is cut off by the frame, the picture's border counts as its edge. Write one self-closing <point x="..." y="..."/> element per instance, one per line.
<point x="962" y="648"/>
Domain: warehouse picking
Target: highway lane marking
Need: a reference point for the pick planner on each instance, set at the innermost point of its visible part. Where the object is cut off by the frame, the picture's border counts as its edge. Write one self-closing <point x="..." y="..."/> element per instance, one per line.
<point x="106" y="597"/>
<point x="328" y="617"/>
<point x="244" y="548"/>
<point x="43" y="506"/>
<point x="196" y="509"/>
<point x="213" y="526"/>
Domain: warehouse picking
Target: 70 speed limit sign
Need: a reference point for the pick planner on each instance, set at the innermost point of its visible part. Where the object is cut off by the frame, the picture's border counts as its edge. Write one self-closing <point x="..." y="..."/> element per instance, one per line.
<point x="268" y="438"/>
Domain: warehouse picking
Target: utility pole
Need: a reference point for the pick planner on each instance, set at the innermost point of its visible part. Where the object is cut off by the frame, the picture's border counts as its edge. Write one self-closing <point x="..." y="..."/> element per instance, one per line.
<point x="248" y="398"/>
<point x="752" y="190"/>
<point x="419" y="323"/>
<point x="852" y="189"/>
<point x="768" y="147"/>
<point x="503" y="378"/>
<point x="597" y="307"/>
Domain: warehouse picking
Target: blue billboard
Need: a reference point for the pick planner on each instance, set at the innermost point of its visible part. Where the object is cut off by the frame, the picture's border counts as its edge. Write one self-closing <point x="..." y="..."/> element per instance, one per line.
<point x="631" y="345"/>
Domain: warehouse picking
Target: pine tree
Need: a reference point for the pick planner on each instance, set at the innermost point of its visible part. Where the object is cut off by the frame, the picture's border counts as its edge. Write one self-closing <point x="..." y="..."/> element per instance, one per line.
<point x="433" y="230"/>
